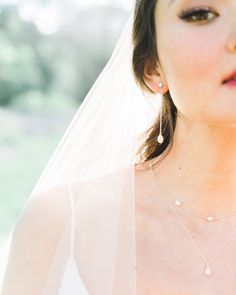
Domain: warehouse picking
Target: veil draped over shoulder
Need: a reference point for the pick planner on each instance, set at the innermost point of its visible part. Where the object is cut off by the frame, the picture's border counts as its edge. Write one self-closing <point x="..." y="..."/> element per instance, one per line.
<point x="76" y="233"/>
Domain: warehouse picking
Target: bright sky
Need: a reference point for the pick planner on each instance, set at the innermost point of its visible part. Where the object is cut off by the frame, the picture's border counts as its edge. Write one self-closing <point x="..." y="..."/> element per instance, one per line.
<point x="47" y="19"/>
<point x="124" y="3"/>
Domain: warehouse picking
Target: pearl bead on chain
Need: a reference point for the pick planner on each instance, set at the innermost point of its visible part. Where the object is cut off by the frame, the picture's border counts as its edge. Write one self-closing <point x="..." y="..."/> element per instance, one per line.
<point x="208" y="218"/>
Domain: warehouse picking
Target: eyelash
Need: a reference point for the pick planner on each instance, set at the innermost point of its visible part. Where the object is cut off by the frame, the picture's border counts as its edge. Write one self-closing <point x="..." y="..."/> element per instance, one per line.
<point x="187" y="14"/>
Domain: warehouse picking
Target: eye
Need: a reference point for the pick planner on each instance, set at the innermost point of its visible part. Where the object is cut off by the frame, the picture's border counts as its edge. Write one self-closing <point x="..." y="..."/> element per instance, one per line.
<point x="198" y="14"/>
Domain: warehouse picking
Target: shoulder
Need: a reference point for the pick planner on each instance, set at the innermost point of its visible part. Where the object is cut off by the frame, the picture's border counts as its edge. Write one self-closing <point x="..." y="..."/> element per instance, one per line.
<point x="38" y="230"/>
<point x="50" y="208"/>
<point x="41" y="224"/>
<point x="43" y="203"/>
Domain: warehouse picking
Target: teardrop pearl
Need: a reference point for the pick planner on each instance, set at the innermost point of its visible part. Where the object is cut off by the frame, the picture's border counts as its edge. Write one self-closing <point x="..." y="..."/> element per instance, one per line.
<point x="160" y="138"/>
<point x="208" y="271"/>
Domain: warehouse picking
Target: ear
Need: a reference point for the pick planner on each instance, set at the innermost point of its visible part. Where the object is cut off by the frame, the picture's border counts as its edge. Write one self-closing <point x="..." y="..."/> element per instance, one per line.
<point x="152" y="77"/>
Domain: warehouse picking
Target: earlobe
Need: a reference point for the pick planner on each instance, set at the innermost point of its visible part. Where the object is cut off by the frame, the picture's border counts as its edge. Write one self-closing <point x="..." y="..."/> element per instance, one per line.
<point x="155" y="83"/>
<point x="152" y="79"/>
<point x="151" y="83"/>
<point x="150" y="76"/>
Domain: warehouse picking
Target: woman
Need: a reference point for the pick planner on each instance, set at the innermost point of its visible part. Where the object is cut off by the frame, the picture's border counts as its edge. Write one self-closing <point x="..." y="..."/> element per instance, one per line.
<point x="165" y="223"/>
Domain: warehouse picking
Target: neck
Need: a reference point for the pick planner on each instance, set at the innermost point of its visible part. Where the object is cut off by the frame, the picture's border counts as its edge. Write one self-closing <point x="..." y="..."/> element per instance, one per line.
<point x="201" y="166"/>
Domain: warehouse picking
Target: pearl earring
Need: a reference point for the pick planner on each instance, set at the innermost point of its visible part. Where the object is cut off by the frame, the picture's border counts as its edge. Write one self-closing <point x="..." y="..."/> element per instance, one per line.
<point x="160" y="137"/>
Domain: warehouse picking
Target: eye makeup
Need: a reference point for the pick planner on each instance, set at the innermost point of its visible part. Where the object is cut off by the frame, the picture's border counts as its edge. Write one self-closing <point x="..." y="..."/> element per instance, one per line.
<point x="196" y="14"/>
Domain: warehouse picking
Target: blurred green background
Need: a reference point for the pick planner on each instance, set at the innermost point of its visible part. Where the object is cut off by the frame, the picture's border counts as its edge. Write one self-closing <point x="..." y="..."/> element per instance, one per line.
<point x="51" y="52"/>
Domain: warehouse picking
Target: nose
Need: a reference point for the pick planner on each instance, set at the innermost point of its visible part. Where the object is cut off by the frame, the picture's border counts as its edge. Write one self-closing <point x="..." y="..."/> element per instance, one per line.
<point x="232" y="38"/>
<point x="232" y="45"/>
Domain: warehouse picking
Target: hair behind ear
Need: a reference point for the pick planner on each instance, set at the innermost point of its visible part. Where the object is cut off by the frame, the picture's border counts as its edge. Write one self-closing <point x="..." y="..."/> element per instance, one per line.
<point x="144" y="52"/>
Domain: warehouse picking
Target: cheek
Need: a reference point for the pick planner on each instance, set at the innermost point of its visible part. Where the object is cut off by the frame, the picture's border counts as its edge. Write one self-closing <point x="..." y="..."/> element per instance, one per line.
<point x="190" y="57"/>
<point x="191" y="52"/>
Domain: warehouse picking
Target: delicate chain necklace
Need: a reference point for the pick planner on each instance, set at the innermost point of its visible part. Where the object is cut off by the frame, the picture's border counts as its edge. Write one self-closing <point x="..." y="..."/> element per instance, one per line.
<point x="209" y="218"/>
<point x="208" y="270"/>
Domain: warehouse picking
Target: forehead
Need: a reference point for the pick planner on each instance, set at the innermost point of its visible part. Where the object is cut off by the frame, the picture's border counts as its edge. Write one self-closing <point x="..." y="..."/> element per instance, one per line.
<point x="169" y="2"/>
<point x="166" y="3"/>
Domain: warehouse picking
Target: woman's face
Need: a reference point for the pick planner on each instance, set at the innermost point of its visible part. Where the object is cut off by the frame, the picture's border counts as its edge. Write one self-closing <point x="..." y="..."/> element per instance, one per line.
<point x="196" y="54"/>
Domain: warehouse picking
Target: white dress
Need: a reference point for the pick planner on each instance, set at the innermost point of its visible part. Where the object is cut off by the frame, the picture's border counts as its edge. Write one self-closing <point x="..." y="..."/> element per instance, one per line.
<point x="72" y="283"/>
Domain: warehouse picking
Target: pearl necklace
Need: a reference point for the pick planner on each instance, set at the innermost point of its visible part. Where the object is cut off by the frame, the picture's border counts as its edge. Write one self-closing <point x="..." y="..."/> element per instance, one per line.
<point x="208" y="218"/>
<point x="208" y="270"/>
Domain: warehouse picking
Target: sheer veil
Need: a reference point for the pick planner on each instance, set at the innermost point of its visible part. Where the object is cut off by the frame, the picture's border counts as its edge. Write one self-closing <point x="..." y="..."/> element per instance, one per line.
<point x="76" y="233"/>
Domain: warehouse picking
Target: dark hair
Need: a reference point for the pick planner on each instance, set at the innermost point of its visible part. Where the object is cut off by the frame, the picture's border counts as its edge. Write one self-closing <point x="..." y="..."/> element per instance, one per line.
<point x="145" y="50"/>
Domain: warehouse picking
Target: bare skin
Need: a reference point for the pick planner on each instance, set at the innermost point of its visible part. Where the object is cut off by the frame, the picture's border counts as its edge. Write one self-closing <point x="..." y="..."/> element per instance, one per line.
<point x="201" y="166"/>
<point x="167" y="261"/>
<point x="203" y="154"/>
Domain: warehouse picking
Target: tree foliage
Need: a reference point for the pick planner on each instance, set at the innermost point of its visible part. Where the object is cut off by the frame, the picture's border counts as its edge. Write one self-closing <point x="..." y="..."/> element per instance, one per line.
<point x="65" y="63"/>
